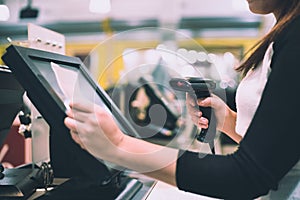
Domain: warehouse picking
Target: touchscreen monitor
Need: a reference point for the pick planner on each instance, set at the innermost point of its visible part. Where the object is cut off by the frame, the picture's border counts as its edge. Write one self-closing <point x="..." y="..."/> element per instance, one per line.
<point x="51" y="81"/>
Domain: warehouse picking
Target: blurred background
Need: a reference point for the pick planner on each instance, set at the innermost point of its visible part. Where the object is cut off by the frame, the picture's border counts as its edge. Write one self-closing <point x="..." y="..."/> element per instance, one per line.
<point x="219" y="26"/>
<point x="114" y="37"/>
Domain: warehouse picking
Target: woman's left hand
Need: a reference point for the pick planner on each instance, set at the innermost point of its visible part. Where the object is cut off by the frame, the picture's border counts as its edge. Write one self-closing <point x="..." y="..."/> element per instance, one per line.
<point x="94" y="129"/>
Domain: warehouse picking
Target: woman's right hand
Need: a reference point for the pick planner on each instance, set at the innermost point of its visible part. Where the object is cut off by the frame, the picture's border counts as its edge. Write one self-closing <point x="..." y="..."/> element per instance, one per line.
<point x="226" y="118"/>
<point x="214" y="102"/>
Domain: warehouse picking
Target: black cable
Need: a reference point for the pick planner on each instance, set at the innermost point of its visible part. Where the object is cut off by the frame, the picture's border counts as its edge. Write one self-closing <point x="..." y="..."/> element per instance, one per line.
<point x="47" y="174"/>
<point x="1" y="170"/>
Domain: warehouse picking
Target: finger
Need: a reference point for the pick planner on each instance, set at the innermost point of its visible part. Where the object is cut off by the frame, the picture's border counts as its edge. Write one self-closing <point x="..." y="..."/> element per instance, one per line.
<point x="200" y="119"/>
<point x="200" y="122"/>
<point x="204" y="126"/>
<point x="80" y="115"/>
<point x="77" y="139"/>
<point x="69" y="113"/>
<point x="73" y="124"/>
<point x="204" y="102"/>
<point x="70" y="123"/>
<point x="196" y="113"/>
<point x="80" y="112"/>
<point x="195" y="116"/>
<point x="82" y="106"/>
<point x="203" y="122"/>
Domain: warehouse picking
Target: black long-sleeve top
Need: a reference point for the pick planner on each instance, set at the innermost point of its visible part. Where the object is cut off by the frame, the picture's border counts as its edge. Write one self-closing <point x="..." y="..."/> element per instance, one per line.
<point x="271" y="146"/>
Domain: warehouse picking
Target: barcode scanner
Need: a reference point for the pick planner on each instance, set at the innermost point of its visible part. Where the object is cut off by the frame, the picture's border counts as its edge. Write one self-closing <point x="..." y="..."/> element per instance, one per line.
<point x="199" y="88"/>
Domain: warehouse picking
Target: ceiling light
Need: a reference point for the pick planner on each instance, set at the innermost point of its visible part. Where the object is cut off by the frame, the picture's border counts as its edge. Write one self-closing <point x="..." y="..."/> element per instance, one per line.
<point x="100" y="6"/>
<point x="4" y="12"/>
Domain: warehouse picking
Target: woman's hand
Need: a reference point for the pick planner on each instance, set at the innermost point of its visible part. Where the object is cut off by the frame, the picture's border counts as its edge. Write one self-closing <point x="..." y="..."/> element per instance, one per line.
<point x="94" y="129"/>
<point x="215" y="102"/>
<point x="226" y="118"/>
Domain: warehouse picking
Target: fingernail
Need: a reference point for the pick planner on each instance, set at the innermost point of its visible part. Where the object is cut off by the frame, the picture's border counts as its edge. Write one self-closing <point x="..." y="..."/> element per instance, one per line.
<point x="198" y="113"/>
<point x="201" y="102"/>
<point x="203" y="120"/>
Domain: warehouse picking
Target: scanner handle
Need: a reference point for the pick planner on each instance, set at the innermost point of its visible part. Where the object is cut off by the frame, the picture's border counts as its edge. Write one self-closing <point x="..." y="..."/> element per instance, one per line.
<point x="207" y="135"/>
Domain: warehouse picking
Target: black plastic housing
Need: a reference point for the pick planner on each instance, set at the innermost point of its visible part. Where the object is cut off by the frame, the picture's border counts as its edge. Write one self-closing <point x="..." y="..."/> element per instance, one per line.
<point x="199" y="88"/>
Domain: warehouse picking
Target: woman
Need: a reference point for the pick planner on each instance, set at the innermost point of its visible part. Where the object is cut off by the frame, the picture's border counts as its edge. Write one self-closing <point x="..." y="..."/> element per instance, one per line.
<point x="266" y="154"/>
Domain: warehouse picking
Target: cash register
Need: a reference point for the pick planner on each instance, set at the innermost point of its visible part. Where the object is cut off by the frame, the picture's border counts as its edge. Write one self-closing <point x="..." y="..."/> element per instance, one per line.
<point x="51" y="80"/>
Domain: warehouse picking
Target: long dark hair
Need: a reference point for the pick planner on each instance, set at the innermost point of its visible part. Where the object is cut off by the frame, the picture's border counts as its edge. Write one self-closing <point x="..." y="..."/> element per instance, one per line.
<point x="290" y="10"/>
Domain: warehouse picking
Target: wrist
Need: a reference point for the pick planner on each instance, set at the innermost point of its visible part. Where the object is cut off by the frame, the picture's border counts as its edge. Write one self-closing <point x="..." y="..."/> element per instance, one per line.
<point x="230" y="124"/>
<point x="110" y="149"/>
<point x="227" y="124"/>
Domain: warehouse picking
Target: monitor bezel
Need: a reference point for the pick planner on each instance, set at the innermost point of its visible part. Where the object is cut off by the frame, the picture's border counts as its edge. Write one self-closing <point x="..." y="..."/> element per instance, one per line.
<point x="42" y="95"/>
<point x="32" y="71"/>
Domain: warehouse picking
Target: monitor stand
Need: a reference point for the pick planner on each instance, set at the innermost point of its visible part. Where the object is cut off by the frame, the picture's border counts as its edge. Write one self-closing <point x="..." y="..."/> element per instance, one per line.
<point x="18" y="183"/>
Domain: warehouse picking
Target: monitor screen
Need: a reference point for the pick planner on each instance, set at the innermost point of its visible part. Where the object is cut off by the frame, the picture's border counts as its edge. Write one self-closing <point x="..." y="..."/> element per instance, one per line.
<point x="11" y="101"/>
<point x="51" y="81"/>
<point x="70" y="83"/>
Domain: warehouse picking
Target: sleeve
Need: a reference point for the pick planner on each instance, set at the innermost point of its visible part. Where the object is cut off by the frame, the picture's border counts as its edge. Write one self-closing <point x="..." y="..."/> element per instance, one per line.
<point x="271" y="145"/>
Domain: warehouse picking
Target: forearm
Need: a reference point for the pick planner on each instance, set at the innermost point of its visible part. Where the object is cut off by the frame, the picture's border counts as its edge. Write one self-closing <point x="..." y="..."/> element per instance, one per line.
<point x="229" y="124"/>
<point x="150" y="159"/>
